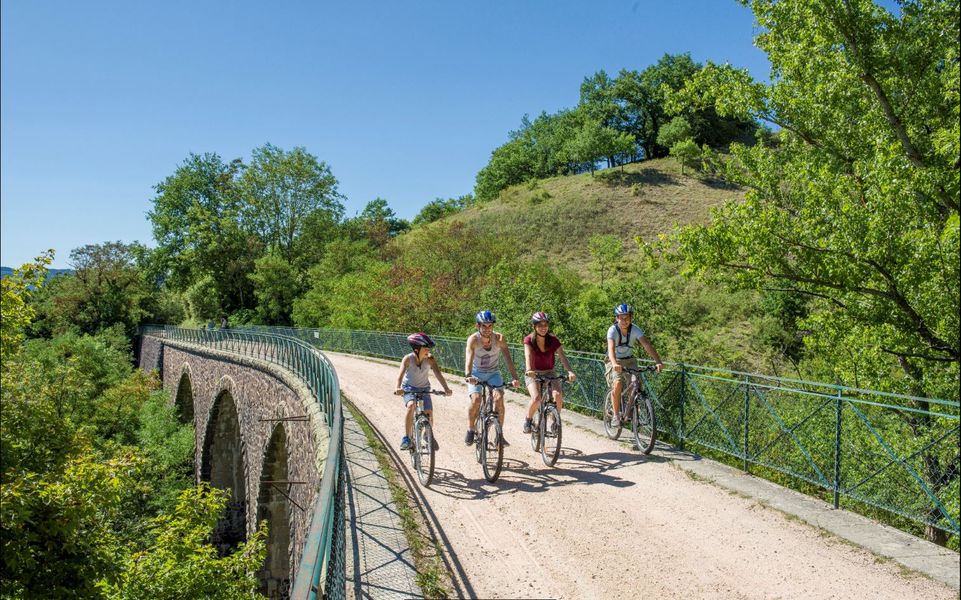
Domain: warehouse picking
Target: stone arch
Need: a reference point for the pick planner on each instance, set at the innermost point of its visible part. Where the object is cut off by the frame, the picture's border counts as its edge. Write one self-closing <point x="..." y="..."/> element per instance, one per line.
<point x="184" y="400"/>
<point x="222" y="465"/>
<point x="274" y="506"/>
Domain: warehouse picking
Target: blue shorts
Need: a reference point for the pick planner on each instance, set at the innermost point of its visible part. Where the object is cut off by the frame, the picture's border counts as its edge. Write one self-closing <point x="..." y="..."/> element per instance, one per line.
<point x="491" y="378"/>
<point x="410" y="396"/>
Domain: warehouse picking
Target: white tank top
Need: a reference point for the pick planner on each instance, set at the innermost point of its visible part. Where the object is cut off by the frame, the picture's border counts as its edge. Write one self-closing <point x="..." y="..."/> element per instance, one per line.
<point x="416" y="376"/>
<point x="485" y="361"/>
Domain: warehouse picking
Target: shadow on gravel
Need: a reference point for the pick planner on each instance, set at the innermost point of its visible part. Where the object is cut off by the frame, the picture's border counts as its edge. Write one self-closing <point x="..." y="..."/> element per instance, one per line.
<point x="518" y="476"/>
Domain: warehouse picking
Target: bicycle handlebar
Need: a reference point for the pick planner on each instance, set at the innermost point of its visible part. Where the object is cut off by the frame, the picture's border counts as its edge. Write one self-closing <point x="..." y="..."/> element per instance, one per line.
<point x="638" y="370"/>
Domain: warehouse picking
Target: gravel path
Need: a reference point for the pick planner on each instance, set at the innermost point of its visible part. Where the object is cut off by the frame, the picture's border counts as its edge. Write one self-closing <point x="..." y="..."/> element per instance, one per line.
<point x="606" y="522"/>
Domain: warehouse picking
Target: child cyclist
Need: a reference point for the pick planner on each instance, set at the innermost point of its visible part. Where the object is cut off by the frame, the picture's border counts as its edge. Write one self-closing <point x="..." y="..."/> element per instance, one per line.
<point x="413" y="377"/>
<point x="484" y="349"/>
<point x="539" y="350"/>
<point x="622" y="336"/>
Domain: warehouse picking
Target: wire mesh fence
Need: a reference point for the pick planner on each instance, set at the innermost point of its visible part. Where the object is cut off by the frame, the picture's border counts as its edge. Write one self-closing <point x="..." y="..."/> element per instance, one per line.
<point x="861" y="448"/>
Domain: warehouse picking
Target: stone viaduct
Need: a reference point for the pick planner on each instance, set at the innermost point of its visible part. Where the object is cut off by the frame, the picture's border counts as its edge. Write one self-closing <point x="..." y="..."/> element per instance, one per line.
<point x="259" y="435"/>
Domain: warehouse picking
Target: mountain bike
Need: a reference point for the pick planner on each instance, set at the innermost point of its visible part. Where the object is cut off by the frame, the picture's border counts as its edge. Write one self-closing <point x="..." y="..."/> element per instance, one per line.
<point x="489" y="444"/>
<point x="636" y="409"/>
<point x="422" y="439"/>
<point x="546" y="425"/>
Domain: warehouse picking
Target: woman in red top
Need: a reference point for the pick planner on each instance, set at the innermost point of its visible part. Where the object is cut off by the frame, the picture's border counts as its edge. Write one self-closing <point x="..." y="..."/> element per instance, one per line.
<point x="539" y="350"/>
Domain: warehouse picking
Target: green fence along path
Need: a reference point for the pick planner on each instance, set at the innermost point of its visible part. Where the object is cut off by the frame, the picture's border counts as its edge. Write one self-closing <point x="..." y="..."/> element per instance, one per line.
<point x="321" y="572"/>
<point x="885" y="455"/>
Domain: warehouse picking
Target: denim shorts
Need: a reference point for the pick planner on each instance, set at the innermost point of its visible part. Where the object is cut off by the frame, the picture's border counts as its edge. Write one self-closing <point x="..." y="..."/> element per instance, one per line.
<point x="409" y="396"/>
<point x="491" y="378"/>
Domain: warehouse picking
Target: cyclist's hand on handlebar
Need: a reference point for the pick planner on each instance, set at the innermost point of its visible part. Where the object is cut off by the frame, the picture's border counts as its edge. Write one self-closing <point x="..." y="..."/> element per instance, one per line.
<point x="658" y="367"/>
<point x="448" y="391"/>
<point x="515" y="383"/>
<point x="571" y="376"/>
<point x="618" y="368"/>
<point x="471" y="379"/>
<point x="530" y="373"/>
<point x="399" y="392"/>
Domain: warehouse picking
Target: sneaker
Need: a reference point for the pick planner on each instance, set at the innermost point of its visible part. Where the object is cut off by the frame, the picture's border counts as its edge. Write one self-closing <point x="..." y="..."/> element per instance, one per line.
<point x="528" y="424"/>
<point x="405" y="443"/>
<point x="615" y="419"/>
<point x="435" y="445"/>
<point x="469" y="438"/>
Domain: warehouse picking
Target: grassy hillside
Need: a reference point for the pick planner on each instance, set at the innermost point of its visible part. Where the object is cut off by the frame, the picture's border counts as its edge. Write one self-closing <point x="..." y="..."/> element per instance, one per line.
<point x="556" y="217"/>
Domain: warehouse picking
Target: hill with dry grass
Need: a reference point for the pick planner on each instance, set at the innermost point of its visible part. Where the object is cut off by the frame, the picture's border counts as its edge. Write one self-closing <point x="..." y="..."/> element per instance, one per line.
<point x="555" y="218"/>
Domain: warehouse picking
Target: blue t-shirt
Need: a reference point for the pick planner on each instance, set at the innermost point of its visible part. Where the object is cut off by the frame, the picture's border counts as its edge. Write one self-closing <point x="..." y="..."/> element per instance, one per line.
<point x="624" y="343"/>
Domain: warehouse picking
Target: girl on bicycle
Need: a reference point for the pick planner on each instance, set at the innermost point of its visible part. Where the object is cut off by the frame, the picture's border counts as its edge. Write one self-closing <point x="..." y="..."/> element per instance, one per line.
<point x="484" y="349"/>
<point x="540" y="347"/>
<point x="413" y="378"/>
<point x="622" y="336"/>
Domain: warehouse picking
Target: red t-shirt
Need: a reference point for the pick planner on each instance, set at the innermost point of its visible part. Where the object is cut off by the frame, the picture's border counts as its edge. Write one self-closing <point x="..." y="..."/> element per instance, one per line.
<point x="543" y="361"/>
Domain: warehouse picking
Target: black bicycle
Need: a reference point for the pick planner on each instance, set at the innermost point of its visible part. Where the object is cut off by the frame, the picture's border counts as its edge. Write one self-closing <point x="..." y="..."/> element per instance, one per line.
<point x="422" y="439"/>
<point x="636" y="409"/>
<point x="546" y="426"/>
<point x="488" y="436"/>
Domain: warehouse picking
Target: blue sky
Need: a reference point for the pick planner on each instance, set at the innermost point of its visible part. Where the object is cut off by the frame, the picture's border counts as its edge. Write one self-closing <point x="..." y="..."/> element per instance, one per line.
<point x="100" y="101"/>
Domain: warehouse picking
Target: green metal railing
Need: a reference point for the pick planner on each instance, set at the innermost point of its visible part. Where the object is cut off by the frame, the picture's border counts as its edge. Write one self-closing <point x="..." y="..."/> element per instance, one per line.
<point x="321" y="570"/>
<point x="895" y="453"/>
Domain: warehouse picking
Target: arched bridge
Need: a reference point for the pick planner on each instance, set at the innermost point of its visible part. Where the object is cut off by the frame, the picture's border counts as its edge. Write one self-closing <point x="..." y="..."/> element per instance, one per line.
<point x="266" y="414"/>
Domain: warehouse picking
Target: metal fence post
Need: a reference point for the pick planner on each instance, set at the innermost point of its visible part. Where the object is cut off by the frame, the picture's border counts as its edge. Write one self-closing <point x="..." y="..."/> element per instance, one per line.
<point x="747" y="426"/>
<point x="838" y="407"/>
<point x="680" y="430"/>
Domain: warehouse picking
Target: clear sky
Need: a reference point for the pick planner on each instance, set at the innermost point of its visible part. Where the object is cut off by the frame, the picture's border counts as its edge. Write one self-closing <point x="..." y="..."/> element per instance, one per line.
<point x="100" y="101"/>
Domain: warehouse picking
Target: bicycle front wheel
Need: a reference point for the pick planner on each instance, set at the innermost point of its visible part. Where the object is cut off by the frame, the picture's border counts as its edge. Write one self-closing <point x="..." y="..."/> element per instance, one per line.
<point x="424" y="451"/>
<point x="612" y="426"/>
<point x="550" y="434"/>
<point x="492" y="450"/>
<point x="644" y="424"/>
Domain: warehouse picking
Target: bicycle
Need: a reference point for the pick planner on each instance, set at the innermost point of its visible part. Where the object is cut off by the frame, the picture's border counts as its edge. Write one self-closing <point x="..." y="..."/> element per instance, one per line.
<point x="546" y="426"/>
<point x="489" y="444"/>
<point x="636" y="408"/>
<point x="422" y="439"/>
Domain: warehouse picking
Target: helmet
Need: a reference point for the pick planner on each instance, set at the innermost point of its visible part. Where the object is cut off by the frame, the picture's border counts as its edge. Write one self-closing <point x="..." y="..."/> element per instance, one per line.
<point x="540" y="317"/>
<point x="420" y="340"/>
<point x="623" y="309"/>
<point x="485" y="316"/>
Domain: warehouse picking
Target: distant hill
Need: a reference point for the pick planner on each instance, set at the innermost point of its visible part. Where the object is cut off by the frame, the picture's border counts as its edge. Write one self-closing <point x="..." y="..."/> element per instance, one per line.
<point x="5" y="271"/>
<point x="555" y="218"/>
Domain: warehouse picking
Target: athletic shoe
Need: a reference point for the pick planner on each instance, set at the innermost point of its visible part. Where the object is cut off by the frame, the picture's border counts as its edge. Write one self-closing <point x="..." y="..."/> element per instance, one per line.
<point x="504" y="441"/>
<point x="469" y="438"/>
<point x="528" y="425"/>
<point x="434" y="444"/>
<point x="405" y="443"/>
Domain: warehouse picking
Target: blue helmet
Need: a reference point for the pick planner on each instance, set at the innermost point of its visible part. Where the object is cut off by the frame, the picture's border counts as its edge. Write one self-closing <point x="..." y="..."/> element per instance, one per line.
<point x="623" y="309"/>
<point x="485" y="316"/>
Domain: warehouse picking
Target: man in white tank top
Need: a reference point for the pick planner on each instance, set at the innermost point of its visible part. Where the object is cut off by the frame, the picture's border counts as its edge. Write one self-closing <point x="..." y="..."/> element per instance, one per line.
<point x="481" y="365"/>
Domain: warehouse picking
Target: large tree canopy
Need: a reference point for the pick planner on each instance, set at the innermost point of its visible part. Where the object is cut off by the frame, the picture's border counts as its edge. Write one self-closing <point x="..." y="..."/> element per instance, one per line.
<point x="856" y="206"/>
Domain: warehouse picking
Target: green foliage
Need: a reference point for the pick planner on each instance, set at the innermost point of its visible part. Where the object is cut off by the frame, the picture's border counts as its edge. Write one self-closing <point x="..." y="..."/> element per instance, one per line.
<point x="676" y="130"/>
<point x="181" y="563"/>
<point x="686" y="152"/>
<point x="439" y="208"/>
<point x="105" y="289"/>
<point x="606" y="251"/>
<point x="594" y="141"/>
<point x="282" y="189"/>
<point x="276" y="286"/>
<point x="16" y="312"/>
<point x="58" y="539"/>
<point x="857" y="206"/>
<point x="203" y="300"/>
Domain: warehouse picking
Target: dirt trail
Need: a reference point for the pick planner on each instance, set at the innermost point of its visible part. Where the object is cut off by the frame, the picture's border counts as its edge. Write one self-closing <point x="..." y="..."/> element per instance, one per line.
<point x="606" y="522"/>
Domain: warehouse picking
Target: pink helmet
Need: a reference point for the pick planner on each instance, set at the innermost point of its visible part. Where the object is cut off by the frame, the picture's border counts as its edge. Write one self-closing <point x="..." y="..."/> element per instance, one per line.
<point x="420" y="340"/>
<point x="540" y="317"/>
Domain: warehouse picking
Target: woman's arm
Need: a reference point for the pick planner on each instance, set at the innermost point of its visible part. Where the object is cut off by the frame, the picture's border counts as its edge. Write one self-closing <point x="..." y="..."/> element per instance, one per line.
<point x="528" y="368"/>
<point x="570" y="374"/>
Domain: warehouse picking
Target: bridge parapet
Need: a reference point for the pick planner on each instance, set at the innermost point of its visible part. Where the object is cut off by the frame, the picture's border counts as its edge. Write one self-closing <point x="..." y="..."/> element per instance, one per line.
<point x="268" y="423"/>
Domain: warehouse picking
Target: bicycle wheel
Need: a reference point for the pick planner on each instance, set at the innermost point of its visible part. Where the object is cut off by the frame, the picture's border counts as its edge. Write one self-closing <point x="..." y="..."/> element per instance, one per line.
<point x="550" y="434"/>
<point x="423" y="451"/>
<point x="611" y="427"/>
<point x="492" y="449"/>
<point x="644" y="424"/>
<point x="535" y="435"/>
<point x="478" y="433"/>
